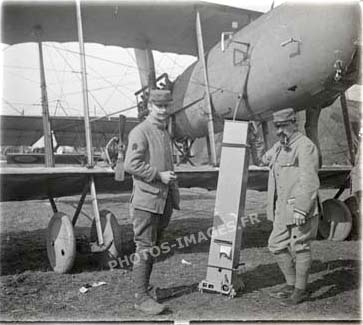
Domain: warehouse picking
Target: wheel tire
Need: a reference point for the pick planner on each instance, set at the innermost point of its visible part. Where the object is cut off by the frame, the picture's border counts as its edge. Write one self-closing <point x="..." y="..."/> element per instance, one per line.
<point x="111" y="231"/>
<point x="353" y="206"/>
<point x="61" y="243"/>
<point x="337" y="215"/>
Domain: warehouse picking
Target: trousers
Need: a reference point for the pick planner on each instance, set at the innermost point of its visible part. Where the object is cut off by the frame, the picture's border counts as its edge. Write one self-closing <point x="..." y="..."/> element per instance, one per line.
<point x="292" y="237"/>
<point x="148" y="230"/>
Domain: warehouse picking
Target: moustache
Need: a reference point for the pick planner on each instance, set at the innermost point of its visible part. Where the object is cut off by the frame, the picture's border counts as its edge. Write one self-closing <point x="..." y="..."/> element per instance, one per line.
<point x="283" y="138"/>
<point x="281" y="134"/>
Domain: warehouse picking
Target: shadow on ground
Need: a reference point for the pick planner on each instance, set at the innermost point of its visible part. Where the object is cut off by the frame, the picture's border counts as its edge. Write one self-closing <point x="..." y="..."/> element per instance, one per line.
<point x="26" y="250"/>
<point x="338" y="276"/>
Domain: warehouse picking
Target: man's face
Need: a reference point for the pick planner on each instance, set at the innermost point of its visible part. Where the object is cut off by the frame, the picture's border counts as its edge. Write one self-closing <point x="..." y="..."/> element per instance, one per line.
<point x="284" y="130"/>
<point x="159" y="111"/>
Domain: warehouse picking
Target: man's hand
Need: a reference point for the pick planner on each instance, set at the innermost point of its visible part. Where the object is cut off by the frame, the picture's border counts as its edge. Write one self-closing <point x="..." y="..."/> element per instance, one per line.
<point x="299" y="218"/>
<point x="252" y="133"/>
<point x="167" y="176"/>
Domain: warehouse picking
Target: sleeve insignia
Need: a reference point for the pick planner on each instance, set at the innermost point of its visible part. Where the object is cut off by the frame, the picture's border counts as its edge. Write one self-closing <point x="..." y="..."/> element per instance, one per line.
<point x="134" y="147"/>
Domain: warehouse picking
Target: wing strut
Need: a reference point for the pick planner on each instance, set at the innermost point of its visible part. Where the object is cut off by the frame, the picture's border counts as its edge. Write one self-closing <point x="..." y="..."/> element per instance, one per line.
<point x="311" y="128"/>
<point x="84" y="86"/>
<point x="48" y="146"/>
<point x="87" y="124"/>
<point x="212" y="144"/>
<point x="348" y="131"/>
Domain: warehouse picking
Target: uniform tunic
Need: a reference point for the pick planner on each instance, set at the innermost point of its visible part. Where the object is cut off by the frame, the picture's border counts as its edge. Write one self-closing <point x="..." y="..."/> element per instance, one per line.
<point x="149" y="152"/>
<point x="152" y="202"/>
<point x="292" y="187"/>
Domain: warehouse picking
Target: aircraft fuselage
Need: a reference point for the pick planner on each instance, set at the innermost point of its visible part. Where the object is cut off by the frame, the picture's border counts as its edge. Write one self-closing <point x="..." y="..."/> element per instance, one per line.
<point x="294" y="56"/>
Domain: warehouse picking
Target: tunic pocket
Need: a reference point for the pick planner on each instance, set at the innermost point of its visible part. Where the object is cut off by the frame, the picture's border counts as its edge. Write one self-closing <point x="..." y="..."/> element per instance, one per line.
<point x="290" y="163"/>
<point x="145" y="187"/>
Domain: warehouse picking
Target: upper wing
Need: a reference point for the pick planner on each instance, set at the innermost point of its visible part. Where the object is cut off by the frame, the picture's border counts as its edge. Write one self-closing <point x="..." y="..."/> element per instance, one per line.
<point x="163" y="26"/>
<point x="68" y="131"/>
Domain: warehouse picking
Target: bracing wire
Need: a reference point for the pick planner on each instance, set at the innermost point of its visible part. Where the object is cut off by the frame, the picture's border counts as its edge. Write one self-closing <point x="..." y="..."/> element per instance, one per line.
<point x="12" y="106"/>
<point x="193" y="81"/>
<point x="19" y="67"/>
<point x="61" y="83"/>
<point x="214" y="89"/>
<point x="66" y="61"/>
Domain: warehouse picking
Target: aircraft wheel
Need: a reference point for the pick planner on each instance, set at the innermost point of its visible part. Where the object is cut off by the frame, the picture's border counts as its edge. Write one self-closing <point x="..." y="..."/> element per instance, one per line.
<point x="111" y="232"/>
<point x="61" y="243"/>
<point x="353" y="206"/>
<point x="336" y="223"/>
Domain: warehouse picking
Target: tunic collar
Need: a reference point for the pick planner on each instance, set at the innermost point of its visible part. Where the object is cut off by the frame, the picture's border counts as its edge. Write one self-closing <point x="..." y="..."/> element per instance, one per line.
<point x="296" y="135"/>
<point x="159" y="124"/>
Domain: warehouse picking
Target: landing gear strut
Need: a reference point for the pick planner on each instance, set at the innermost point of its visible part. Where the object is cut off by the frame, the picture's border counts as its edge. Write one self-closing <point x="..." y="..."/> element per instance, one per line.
<point x="62" y="242"/>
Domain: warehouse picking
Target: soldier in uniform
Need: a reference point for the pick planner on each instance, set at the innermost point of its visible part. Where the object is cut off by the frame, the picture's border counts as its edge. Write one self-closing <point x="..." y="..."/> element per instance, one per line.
<point x="291" y="203"/>
<point x="155" y="193"/>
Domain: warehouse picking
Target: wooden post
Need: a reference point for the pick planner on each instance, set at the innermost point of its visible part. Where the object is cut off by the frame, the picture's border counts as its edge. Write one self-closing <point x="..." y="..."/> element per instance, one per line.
<point x="121" y="128"/>
<point x="48" y="146"/>
<point x="208" y="98"/>
<point x="120" y="168"/>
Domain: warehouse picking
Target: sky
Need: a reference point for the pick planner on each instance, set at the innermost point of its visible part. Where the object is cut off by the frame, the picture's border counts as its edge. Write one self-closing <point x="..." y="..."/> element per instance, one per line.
<point x="112" y="74"/>
<point x="112" y="78"/>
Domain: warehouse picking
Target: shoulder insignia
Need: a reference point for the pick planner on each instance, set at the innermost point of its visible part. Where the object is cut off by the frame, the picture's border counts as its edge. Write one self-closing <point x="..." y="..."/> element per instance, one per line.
<point x="134" y="147"/>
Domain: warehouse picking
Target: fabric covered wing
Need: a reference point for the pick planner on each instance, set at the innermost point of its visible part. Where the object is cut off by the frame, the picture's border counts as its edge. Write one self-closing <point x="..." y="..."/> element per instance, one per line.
<point x="163" y="26"/>
<point x="37" y="182"/>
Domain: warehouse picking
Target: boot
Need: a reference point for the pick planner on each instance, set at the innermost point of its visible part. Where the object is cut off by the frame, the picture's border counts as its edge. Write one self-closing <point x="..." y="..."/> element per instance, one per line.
<point x="282" y="293"/>
<point x="296" y="298"/>
<point x="149" y="306"/>
<point x="303" y="264"/>
<point x="141" y="276"/>
<point x="286" y="264"/>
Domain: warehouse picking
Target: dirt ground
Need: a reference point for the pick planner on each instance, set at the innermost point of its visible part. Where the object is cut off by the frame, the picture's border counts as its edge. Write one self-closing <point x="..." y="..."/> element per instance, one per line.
<point x="31" y="291"/>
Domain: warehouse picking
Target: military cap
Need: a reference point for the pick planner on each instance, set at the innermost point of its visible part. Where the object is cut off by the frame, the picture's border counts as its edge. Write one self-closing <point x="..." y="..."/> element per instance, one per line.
<point x="284" y="115"/>
<point x="160" y="96"/>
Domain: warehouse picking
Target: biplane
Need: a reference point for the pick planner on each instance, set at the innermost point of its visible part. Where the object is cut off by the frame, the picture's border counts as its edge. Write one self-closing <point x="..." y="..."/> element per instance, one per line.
<point x="250" y="65"/>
